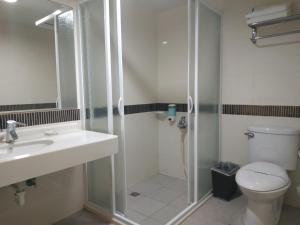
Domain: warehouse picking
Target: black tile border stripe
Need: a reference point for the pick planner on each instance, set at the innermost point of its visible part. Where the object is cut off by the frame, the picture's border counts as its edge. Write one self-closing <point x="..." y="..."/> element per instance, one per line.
<point x="31" y="118"/>
<point x="18" y="107"/>
<point x="262" y="110"/>
<point x="152" y="107"/>
<point x="39" y="117"/>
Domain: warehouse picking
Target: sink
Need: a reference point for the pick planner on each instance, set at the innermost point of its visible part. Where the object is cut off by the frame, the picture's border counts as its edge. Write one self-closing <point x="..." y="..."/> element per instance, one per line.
<point x="36" y="154"/>
<point x="21" y="149"/>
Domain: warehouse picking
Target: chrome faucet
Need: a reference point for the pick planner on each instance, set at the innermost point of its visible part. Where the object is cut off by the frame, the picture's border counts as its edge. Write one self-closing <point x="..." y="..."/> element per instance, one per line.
<point x="11" y="134"/>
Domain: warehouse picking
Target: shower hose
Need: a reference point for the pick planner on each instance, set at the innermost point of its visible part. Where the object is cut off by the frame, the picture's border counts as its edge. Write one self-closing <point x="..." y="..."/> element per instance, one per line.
<point x="183" y="155"/>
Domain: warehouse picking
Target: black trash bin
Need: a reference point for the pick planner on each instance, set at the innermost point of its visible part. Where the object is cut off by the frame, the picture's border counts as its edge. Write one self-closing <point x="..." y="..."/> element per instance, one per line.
<point x="223" y="179"/>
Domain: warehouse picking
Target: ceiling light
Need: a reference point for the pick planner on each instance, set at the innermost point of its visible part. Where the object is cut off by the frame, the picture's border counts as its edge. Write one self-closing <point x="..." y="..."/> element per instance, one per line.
<point x="56" y="12"/>
<point x="10" y="1"/>
<point x="49" y="17"/>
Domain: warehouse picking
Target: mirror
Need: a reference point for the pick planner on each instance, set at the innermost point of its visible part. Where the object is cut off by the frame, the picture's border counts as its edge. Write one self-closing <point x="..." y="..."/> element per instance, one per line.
<point x="37" y="56"/>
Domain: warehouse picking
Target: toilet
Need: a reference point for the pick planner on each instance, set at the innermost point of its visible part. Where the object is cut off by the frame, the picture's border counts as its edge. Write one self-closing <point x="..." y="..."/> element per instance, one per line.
<point x="272" y="152"/>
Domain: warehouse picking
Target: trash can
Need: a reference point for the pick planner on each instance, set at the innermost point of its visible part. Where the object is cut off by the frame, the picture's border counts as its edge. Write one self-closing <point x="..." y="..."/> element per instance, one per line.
<point x="223" y="180"/>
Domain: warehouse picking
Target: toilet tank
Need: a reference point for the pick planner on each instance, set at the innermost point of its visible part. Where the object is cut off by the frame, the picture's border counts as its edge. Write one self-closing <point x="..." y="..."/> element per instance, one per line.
<point x="276" y="145"/>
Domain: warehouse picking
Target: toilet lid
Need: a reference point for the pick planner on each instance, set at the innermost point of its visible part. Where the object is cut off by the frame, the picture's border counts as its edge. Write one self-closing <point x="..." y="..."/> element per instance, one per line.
<point x="262" y="177"/>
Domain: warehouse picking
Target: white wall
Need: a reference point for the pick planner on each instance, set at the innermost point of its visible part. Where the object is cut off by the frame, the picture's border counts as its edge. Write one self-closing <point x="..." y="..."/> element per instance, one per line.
<point x="56" y="196"/>
<point x="27" y="62"/>
<point x="141" y="147"/>
<point x="169" y="148"/>
<point x="252" y="75"/>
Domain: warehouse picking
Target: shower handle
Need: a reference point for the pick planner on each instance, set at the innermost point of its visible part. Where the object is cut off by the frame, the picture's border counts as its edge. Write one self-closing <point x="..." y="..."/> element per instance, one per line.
<point x="190" y="104"/>
<point x="120" y="108"/>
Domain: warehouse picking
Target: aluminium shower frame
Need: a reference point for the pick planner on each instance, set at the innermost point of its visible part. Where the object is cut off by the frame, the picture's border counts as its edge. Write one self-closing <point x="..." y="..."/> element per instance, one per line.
<point x="193" y="26"/>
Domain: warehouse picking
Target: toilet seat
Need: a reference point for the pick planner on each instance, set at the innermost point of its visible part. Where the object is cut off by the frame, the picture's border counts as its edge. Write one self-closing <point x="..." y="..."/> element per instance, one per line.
<point x="262" y="177"/>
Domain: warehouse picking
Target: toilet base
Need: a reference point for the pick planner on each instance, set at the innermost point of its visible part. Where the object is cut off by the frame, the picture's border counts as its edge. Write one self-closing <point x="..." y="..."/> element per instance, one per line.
<point x="263" y="212"/>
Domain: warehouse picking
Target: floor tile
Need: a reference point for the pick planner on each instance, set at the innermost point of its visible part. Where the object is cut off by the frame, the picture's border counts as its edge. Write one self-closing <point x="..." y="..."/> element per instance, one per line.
<point x="150" y="221"/>
<point x="181" y="202"/>
<point x="290" y="216"/>
<point x="157" y="190"/>
<point x="165" y="195"/>
<point x="166" y="214"/>
<point x="145" y="188"/>
<point x="82" y="218"/>
<point x="161" y="179"/>
<point x="177" y="185"/>
<point x="144" y="205"/>
<point x="135" y="216"/>
<point x="219" y="212"/>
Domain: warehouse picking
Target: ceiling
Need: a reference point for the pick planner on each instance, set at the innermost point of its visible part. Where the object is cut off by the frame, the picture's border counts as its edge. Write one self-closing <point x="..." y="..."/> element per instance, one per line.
<point x="27" y="11"/>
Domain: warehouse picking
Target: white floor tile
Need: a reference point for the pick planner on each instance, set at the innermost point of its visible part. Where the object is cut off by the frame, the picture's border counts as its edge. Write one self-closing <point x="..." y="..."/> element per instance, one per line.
<point x="166" y="214"/>
<point x="144" y="205"/>
<point x="145" y="188"/>
<point x="161" y="179"/>
<point x="177" y="185"/>
<point x="150" y="221"/>
<point x="135" y="216"/>
<point x="155" y="195"/>
<point x="165" y="195"/>
<point x="181" y="202"/>
<point x="219" y="212"/>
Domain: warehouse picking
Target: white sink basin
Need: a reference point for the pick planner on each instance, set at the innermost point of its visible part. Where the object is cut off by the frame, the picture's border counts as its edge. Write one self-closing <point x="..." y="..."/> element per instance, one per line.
<point x="22" y="149"/>
<point x="35" y="154"/>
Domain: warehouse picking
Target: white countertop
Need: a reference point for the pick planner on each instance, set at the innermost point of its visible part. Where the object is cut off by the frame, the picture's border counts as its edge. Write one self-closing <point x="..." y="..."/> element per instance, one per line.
<point x="35" y="154"/>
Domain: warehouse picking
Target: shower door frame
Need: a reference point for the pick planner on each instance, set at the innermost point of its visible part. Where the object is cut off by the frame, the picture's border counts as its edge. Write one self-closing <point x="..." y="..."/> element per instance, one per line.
<point x="80" y="85"/>
<point x="194" y="202"/>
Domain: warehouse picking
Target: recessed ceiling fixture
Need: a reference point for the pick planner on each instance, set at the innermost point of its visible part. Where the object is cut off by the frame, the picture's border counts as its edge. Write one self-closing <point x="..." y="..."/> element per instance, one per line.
<point x="10" y="1"/>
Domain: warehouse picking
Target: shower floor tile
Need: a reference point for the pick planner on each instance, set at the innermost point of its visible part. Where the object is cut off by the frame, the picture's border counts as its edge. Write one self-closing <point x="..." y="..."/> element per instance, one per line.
<point x="164" y="195"/>
<point x="161" y="198"/>
<point x="143" y="205"/>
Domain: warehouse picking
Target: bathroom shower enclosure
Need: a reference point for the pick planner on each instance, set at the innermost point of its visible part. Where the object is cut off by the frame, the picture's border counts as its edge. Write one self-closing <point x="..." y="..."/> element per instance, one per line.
<point x="99" y="41"/>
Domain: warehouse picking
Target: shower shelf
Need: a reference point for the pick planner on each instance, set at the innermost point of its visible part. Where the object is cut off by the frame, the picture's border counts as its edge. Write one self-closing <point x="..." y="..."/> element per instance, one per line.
<point x="255" y="26"/>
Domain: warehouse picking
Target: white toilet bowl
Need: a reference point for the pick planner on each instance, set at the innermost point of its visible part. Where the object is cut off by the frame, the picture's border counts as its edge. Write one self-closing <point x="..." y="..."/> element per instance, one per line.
<point x="264" y="184"/>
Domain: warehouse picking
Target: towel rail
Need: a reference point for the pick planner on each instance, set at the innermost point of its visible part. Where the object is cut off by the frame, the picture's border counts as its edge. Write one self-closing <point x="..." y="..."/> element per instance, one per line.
<point x="255" y="26"/>
<point x="254" y="37"/>
<point x="275" y="21"/>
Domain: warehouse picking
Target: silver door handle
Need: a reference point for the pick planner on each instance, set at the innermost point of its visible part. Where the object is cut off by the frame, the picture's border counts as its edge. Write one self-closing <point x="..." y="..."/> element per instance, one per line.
<point x="120" y="108"/>
<point x="190" y="104"/>
<point x="249" y="134"/>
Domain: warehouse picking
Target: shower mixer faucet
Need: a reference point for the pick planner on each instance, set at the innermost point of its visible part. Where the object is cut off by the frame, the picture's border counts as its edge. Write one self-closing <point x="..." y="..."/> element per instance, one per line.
<point x="182" y="124"/>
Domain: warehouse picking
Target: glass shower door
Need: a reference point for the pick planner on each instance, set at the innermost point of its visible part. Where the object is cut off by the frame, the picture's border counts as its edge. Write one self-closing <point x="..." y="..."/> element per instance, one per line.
<point x="191" y="110"/>
<point x="204" y="86"/>
<point x="93" y="17"/>
<point x="207" y="95"/>
<point x="118" y="105"/>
